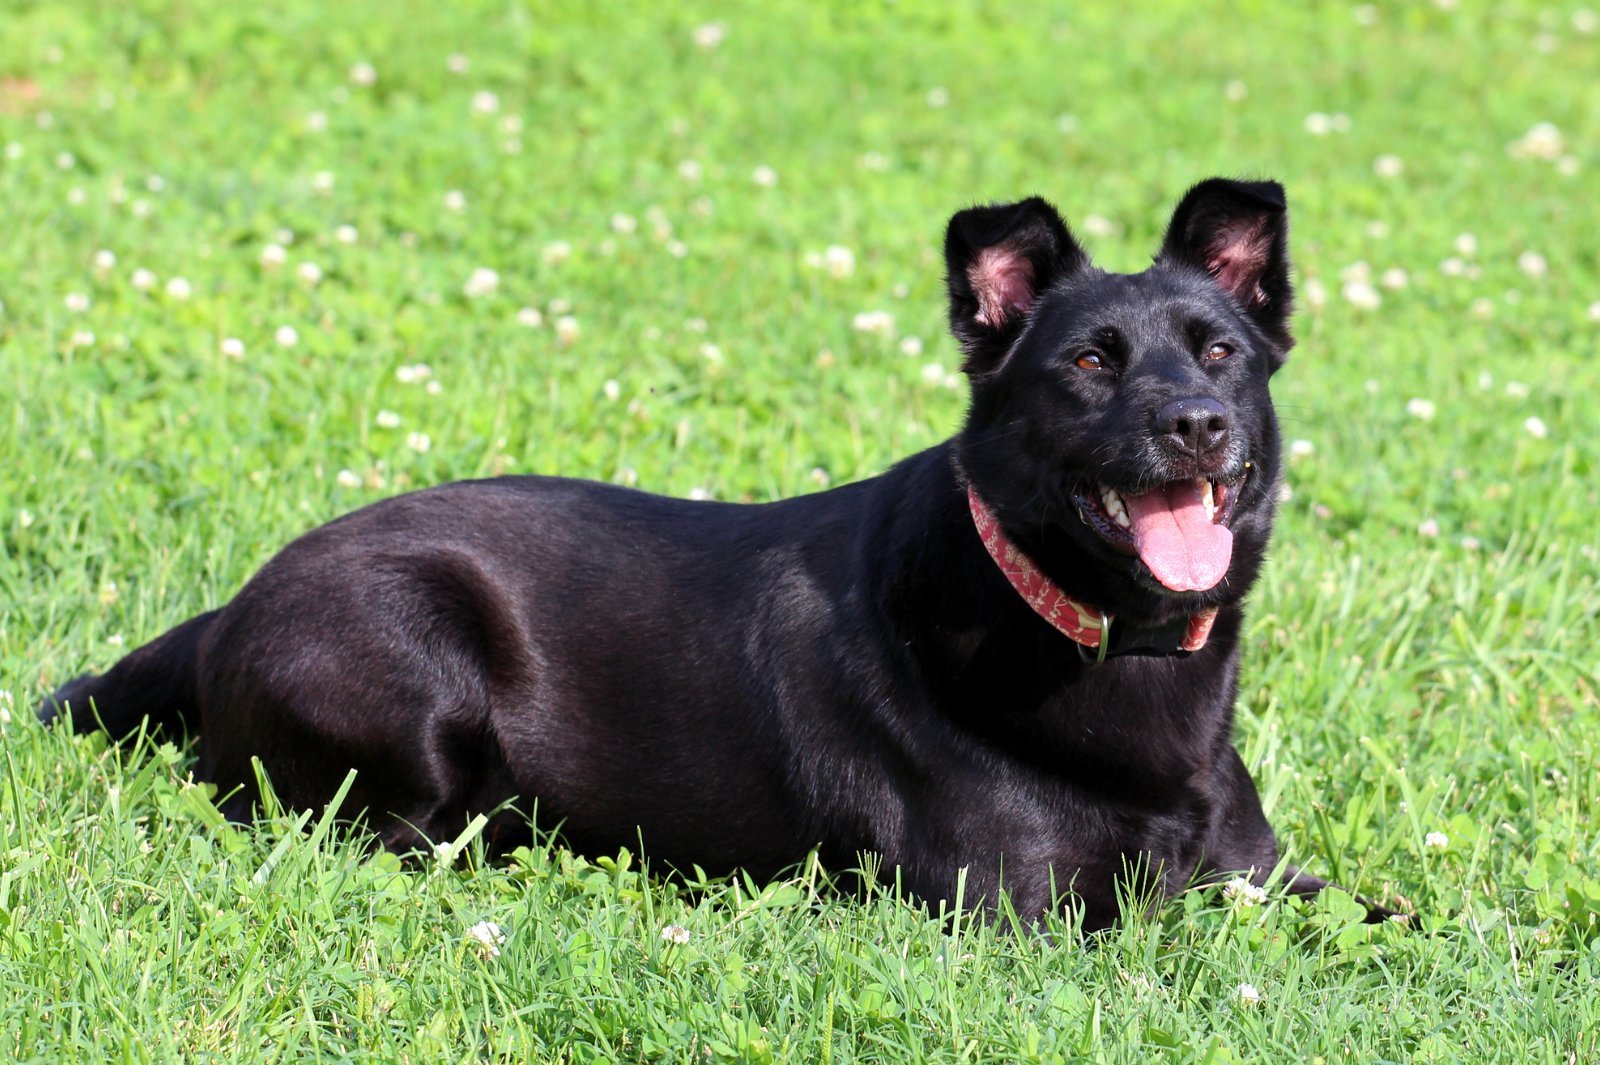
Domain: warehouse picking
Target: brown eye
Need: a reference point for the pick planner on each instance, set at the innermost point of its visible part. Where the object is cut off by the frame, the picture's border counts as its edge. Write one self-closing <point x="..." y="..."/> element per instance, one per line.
<point x="1089" y="360"/>
<point x="1219" y="351"/>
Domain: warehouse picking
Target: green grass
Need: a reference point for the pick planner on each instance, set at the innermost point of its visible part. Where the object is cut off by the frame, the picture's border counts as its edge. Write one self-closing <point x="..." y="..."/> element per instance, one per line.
<point x="1396" y="684"/>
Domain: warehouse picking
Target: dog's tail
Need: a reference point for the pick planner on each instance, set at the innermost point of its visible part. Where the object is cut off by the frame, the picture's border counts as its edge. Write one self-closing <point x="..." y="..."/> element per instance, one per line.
<point x="156" y="683"/>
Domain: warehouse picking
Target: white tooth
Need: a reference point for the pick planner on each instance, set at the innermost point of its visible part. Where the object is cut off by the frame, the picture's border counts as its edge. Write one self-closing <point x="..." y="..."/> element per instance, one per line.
<point x="1208" y="501"/>
<point x="1121" y="518"/>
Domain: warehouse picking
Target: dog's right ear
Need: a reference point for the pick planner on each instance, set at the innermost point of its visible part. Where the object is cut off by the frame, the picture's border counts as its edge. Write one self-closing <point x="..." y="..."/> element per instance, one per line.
<point x="998" y="259"/>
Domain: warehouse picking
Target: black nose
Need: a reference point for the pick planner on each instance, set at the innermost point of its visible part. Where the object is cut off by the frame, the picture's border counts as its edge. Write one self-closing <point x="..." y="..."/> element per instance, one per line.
<point x="1198" y="425"/>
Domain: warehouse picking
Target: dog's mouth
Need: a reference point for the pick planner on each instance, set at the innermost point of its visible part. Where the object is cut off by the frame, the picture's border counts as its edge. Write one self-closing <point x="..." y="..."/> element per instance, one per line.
<point x="1179" y="530"/>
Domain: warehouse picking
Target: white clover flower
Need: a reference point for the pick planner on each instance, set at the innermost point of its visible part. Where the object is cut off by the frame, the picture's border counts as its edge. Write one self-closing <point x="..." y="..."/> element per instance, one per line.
<point x="1316" y="293"/>
<point x="566" y="330"/>
<point x="363" y="74"/>
<point x="560" y="305"/>
<point x="911" y="347"/>
<point x="1241" y="891"/>
<point x="933" y="374"/>
<point x="386" y="419"/>
<point x="179" y="288"/>
<point x="1533" y="264"/>
<point x="346" y="234"/>
<point x="1360" y="270"/>
<point x="273" y="256"/>
<point x="690" y="170"/>
<point x="24" y="517"/>
<point x="764" y="176"/>
<point x="483" y="282"/>
<point x="232" y="347"/>
<point x="612" y="390"/>
<point x="1594" y="311"/>
<point x="1395" y="278"/>
<point x="711" y="353"/>
<point x="413" y="373"/>
<point x="81" y="338"/>
<point x="1235" y="90"/>
<point x="1366" y="14"/>
<point x="820" y="477"/>
<point x="675" y="934"/>
<point x="488" y="937"/>
<point x="309" y="272"/>
<point x="1420" y="408"/>
<point x="456" y="63"/>
<point x="1466" y="244"/>
<point x="418" y="442"/>
<point x="485" y="102"/>
<point x="455" y="200"/>
<point x="1388" y="166"/>
<point x="104" y="261"/>
<point x="878" y="322"/>
<point x="316" y="121"/>
<point x="1378" y="230"/>
<point x="76" y="302"/>
<point x="116" y="639"/>
<point x="1482" y="307"/>
<point x="76" y="196"/>
<point x="1470" y="543"/>
<point x="1301" y="448"/>
<point x="624" y="223"/>
<point x="1099" y="226"/>
<point x="1340" y="122"/>
<point x="556" y="252"/>
<point x="1585" y="21"/>
<point x="530" y="317"/>
<point x="322" y="182"/>
<point x="1247" y="995"/>
<point x="347" y="479"/>
<point x="1516" y="390"/>
<point x="1318" y="124"/>
<point x="677" y="249"/>
<point x="838" y="261"/>
<point x="142" y="279"/>
<point x="1436" y="841"/>
<point x="1361" y="294"/>
<point x="1536" y="427"/>
<point x="14" y="151"/>
<point x="710" y="35"/>
<point x="1543" y="142"/>
<point x="286" y="336"/>
<point x="1428" y="529"/>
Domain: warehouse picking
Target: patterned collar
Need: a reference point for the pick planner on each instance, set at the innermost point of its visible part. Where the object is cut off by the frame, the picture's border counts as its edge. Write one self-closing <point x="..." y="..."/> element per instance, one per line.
<point x="1086" y="625"/>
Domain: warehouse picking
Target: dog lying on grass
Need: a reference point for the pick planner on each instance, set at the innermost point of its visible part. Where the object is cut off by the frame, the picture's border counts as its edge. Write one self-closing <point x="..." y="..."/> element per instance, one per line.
<point x="1014" y="654"/>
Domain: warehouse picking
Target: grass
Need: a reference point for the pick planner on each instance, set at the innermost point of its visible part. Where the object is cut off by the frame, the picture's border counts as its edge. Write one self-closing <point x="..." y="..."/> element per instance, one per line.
<point x="1421" y="653"/>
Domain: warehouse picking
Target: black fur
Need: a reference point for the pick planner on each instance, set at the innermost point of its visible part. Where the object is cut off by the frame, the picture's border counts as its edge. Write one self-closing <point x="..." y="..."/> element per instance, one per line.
<point x="847" y="671"/>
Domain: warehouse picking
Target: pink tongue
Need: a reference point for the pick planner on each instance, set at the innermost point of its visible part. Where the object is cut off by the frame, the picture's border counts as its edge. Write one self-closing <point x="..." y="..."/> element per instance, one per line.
<point x="1186" y="550"/>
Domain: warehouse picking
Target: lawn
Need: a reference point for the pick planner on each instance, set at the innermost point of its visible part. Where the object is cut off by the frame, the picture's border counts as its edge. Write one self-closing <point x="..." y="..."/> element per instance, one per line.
<point x="264" y="264"/>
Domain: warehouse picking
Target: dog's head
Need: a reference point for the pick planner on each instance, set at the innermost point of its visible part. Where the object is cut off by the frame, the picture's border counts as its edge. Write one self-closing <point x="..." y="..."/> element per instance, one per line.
<point x="1125" y="418"/>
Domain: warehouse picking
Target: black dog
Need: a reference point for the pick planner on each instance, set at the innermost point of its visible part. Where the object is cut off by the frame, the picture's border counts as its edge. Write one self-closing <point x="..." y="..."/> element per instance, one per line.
<point x="1014" y="654"/>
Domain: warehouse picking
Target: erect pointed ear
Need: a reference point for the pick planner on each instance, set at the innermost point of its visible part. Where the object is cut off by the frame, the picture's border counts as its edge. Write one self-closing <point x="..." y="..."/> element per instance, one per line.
<point x="1238" y="232"/>
<point x="998" y="259"/>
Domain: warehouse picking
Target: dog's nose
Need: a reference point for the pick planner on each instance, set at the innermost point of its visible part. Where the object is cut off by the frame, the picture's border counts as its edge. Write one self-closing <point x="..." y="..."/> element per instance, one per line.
<point x="1198" y="425"/>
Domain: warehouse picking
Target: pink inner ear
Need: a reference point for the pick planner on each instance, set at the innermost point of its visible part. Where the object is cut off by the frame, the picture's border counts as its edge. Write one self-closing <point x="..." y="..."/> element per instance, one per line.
<point x="1236" y="257"/>
<point x="1002" y="279"/>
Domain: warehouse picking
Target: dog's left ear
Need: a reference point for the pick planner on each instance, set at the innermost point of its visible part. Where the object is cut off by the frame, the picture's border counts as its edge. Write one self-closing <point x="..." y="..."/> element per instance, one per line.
<point x="998" y="260"/>
<point x="1238" y="232"/>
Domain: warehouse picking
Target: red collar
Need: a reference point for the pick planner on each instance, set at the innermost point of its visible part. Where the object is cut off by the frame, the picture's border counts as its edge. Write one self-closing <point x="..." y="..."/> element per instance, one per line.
<point x="1079" y="621"/>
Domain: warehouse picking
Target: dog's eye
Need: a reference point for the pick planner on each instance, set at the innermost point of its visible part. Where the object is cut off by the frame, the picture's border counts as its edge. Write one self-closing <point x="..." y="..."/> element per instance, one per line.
<point x="1089" y="360"/>
<point x="1219" y="351"/>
